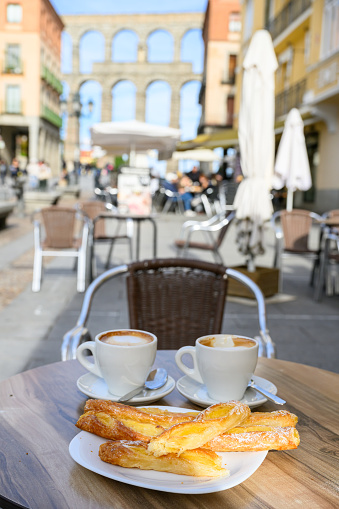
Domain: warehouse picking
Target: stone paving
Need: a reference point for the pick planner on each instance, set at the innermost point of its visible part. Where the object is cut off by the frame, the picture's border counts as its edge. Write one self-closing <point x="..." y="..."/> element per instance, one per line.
<point x="33" y="324"/>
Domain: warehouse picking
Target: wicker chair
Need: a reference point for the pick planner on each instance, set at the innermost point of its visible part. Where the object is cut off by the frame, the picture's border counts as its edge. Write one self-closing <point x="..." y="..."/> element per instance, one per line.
<point x="214" y="229"/>
<point x="99" y="234"/>
<point x="60" y="225"/>
<point x="178" y="300"/>
<point x="292" y="237"/>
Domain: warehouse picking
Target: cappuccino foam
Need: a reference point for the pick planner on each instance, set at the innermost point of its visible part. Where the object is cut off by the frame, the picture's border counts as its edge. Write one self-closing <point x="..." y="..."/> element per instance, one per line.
<point x="126" y="338"/>
<point x="227" y="341"/>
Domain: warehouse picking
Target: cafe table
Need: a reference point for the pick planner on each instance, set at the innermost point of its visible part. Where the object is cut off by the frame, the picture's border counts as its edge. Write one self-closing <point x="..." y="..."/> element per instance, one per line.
<point x="39" y="408"/>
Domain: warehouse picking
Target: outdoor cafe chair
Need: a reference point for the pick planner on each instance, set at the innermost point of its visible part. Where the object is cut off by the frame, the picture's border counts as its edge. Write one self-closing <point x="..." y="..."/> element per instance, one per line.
<point x="213" y="229"/>
<point x="172" y="199"/>
<point x="99" y="233"/>
<point x="292" y="233"/>
<point x="178" y="300"/>
<point x="60" y="240"/>
<point x="328" y="275"/>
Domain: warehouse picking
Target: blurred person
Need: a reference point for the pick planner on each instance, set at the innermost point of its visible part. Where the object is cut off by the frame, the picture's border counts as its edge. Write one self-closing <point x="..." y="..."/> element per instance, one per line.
<point x="208" y="189"/>
<point x="44" y="175"/>
<point x="194" y="174"/>
<point x="172" y="184"/>
<point x="14" y="168"/>
<point x="64" y="178"/>
<point x="3" y="171"/>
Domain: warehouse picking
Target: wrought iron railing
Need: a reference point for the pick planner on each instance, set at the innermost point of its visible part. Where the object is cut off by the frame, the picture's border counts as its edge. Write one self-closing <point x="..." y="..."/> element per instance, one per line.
<point x="290" y="98"/>
<point x="287" y="15"/>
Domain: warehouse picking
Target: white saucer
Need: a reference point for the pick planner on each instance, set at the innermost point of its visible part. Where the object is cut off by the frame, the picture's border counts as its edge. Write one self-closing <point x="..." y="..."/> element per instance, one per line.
<point x="95" y="387"/>
<point x="197" y="392"/>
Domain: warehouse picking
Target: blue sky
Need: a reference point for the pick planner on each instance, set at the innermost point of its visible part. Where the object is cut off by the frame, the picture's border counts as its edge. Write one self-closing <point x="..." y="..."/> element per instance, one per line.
<point x="128" y="6"/>
<point x="159" y="95"/>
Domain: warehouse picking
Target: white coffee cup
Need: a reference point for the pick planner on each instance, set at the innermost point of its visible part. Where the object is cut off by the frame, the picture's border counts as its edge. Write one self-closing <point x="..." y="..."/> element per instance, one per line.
<point x="123" y="358"/>
<point x="224" y="363"/>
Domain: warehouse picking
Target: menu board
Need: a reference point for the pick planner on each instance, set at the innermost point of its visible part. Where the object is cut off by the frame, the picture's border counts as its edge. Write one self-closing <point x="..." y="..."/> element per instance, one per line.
<point x="134" y="195"/>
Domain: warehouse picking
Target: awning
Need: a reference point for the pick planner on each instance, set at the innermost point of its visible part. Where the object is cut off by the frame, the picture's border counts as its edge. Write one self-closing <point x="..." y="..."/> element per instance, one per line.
<point x="224" y="138"/>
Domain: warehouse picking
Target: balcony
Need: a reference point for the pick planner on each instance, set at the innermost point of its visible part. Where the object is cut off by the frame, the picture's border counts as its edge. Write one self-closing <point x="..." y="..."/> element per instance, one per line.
<point x="51" y="116"/>
<point x="52" y="80"/>
<point x="285" y="18"/>
<point x="290" y="98"/>
<point x="11" y="68"/>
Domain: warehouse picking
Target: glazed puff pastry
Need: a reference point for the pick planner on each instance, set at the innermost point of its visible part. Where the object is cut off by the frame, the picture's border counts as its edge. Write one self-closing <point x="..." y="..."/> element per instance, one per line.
<point x="255" y="438"/>
<point x="191" y="435"/>
<point x="199" y="462"/>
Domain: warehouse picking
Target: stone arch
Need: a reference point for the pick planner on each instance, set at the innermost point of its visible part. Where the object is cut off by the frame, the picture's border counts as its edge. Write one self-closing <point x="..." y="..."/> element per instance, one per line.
<point x="124" y="47"/>
<point x="89" y="90"/>
<point x="66" y="53"/>
<point x="158" y="102"/>
<point x="160" y="46"/>
<point x="192" y="38"/>
<point x="91" y="49"/>
<point x="190" y="109"/>
<point x="123" y="100"/>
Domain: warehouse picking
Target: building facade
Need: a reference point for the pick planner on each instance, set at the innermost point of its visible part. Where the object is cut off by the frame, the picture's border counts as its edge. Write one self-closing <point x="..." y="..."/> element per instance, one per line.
<point x="305" y="36"/>
<point x="221" y="34"/>
<point x="30" y="86"/>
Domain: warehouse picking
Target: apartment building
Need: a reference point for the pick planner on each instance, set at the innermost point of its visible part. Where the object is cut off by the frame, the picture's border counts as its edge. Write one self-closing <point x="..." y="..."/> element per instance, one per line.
<point x="221" y="34"/>
<point x="30" y="86"/>
<point x="305" y="36"/>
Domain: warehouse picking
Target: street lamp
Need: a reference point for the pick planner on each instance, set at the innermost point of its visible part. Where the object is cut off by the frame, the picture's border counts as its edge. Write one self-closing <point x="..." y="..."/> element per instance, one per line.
<point x="77" y="113"/>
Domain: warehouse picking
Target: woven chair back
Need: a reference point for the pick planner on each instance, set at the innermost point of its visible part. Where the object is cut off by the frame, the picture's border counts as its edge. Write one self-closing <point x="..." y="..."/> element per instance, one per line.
<point x="92" y="209"/>
<point x="296" y="225"/>
<point x="59" y="223"/>
<point x="177" y="299"/>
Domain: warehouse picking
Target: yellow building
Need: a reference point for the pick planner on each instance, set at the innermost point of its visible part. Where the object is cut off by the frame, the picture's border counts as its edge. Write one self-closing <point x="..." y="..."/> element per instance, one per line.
<point x="30" y="42"/>
<point x="305" y="36"/>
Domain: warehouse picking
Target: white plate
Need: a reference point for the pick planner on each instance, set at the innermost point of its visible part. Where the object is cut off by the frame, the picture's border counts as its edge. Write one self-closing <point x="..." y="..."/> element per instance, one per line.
<point x="84" y="449"/>
<point x="197" y="392"/>
<point x="95" y="387"/>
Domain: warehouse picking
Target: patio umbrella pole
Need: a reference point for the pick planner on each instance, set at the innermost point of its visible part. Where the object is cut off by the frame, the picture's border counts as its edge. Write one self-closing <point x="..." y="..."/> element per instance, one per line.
<point x="289" y="200"/>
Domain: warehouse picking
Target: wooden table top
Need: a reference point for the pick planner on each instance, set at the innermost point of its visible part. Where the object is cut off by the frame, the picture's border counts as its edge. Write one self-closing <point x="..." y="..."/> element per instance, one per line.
<point x="38" y="410"/>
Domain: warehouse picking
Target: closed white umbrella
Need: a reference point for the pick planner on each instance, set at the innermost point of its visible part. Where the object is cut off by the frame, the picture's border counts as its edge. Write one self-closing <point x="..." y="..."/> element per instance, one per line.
<point x="256" y="140"/>
<point x="292" y="168"/>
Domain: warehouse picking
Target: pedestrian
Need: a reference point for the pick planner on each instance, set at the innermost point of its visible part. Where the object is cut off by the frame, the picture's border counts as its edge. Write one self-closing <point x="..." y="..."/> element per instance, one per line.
<point x="3" y="171"/>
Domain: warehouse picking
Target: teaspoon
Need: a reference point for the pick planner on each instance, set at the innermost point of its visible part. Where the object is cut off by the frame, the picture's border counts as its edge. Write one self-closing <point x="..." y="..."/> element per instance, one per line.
<point x="156" y="379"/>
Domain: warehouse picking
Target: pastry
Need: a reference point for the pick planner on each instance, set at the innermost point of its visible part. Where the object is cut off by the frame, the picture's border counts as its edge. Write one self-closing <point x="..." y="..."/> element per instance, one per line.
<point x="128" y="414"/>
<point x="106" y="426"/>
<point x="208" y="424"/>
<point x="199" y="462"/>
<point x="280" y="418"/>
<point x="258" y="438"/>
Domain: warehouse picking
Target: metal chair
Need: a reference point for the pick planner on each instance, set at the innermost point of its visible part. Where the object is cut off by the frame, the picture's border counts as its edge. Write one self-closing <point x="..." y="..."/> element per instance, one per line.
<point x="173" y="199"/>
<point x="178" y="300"/>
<point x="328" y="275"/>
<point x="292" y="237"/>
<point x="99" y="235"/>
<point x="214" y="229"/>
<point x="60" y="229"/>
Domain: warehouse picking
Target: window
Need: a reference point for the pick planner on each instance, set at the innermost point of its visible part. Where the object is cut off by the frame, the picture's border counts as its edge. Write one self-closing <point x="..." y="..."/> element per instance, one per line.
<point x="13" y="60"/>
<point x="234" y="22"/>
<point x="14" y="13"/>
<point x="230" y="110"/>
<point x="232" y="64"/>
<point x="13" y="99"/>
<point x="330" y="29"/>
